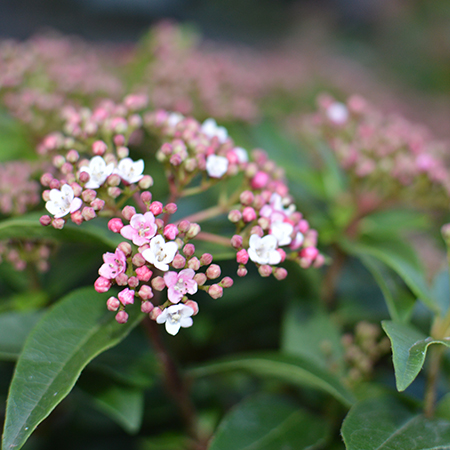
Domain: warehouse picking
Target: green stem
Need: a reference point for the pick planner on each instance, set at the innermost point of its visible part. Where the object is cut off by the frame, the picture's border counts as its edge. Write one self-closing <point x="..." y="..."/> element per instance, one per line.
<point x="216" y="239"/>
<point x="206" y="214"/>
<point x="436" y="352"/>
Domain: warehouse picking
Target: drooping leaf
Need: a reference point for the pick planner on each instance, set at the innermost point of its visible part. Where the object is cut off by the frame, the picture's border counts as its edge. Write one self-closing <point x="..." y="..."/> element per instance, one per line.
<point x="15" y="327"/>
<point x="269" y="423"/>
<point x="409" y="349"/>
<point x="387" y="424"/>
<point x="288" y="368"/>
<point x="63" y="342"/>
<point x="312" y="335"/>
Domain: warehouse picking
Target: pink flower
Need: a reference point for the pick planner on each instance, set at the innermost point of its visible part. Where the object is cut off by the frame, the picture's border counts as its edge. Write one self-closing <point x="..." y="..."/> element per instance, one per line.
<point x="179" y="284"/>
<point x="141" y="229"/>
<point x="102" y="284"/>
<point x="115" y="264"/>
<point x="126" y="297"/>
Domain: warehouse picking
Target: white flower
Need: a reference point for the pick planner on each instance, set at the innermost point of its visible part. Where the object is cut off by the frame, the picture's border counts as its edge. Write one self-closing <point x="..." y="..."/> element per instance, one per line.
<point x="176" y="316"/>
<point x="211" y="129"/>
<point x="98" y="172"/>
<point x="62" y="202"/>
<point x="129" y="170"/>
<point x="216" y="166"/>
<point x="338" y="113"/>
<point x="160" y="253"/>
<point x="263" y="250"/>
<point x="282" y="231"/>
<point x="174" y="119"/>
<point x="241" y="154"/>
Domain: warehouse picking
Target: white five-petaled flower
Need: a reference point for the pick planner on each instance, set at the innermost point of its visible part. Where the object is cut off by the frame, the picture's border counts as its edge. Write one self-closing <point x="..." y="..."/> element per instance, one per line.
<point x="160" y="253"/>
<point x="98" y="172"/>
<point x="62" y="202"/>
<point x="282" y="231"/>
<point x="264" y="250"/>
<point x="129" y="170"/>
<point x="176" y="316"/>
<point x="216" y="166"/>
<point x="337" y="113"/>
<point x="211" y="129"/>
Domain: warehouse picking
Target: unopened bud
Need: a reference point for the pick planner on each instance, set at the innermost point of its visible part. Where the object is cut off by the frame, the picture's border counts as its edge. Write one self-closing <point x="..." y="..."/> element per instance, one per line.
<point x="234" y="216"/>
<point x="236" y="241"/>
<point x="242" y="271"/>
<point x="200" y="278"/>
<point x="122" y="279"/>
<point x="128" y="212"/>
<point x="58" y="224"/>
<point x="183" y="226"/>
<point x="246" y="198"/>
<point x="242" y="256"/>
<point x="265" y="270"/>
<point x="125" y="247"/>
<point x="179" y="262"/>
<point x="213" y="271"/>
<point x="133" y="282"/>
<point x="77" y="217"/>
<point x="206" y="259"/>
<point x="193" y="231"/>
<point x="226" y="282"/>
<point x="193" y="305"/>
<point x="102" y="284"/>
<point x="45" y="220"/>
<point x="122" y="317"/>
<point x="158" y="283"/>
<point x="112" y="304"/>
<point x="280" y="273"/>
<point x="194" y="263"/>
<point x="88" y="195"/>
<point x="114" y="192"/>
<point x="143" y="274"/>
<point x="138" y="260"/>
<point x="99" y="148"/>
<point x="145" y="292"/>
<point x="147" y="307"/>
<point x="115" y="225"/>
<point x="215" y="291"/>
<point x="155" y="313"/>
<point x="156" y="208"/>
<point x="145" y="182"/>
<point x="88" y="213"/>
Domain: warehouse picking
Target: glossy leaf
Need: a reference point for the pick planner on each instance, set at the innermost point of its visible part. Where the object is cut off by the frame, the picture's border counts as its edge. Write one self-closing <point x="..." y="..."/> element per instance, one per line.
<point x="409" y="349"/>
<point x="387" y="424"/>
<point x="290" y="369"/>
<point x="63" y="342"/>
<point x="15" y="327"/>
<point x="269" y="423"/>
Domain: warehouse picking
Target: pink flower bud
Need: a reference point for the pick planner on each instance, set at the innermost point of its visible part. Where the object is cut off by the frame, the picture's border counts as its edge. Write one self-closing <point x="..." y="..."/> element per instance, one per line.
<point x="122" y="152"/>
<point x="265" y="270"/>
<point x="102" y="284"/>
<point x="257" y="230"/>
<point x="155" y="313"/>
<point x="119" y="139"/>
<point x="145" y="292"/>
<point x="83" y="177"/>
<point x="242" y="256"/>
<point x="125" y="247"/>
<point x="143" y="273"/>
<point x="112" y="304"/>
<point x="190" y="164"/>
<point x="114" y="192"/>
<point x="88" y="195"/>
<point x="171" y="231"/>
<point x="200" y="278"/>
<point x="128" y="212"/>
<point x="58" y="224"/>
<point x="156" y="208"/>
<point x="215" y="291"/>
<point x="170" y="208"/>
<point x="45" y="220"/>
<point x="234" y="216"/>
<point x="184" y="225"/>
<point x="175" y="159"/>
<point x="145" y="182"/>
<point x="309" y="253"/>
<point x="54" y="184"/>
<point x="264" y="223"/>
<point x="248" y="214"/>
<point x="58" y="161"/>
<point x="303" y="226"/>
<point x="113" y="180"/>
<point x="138" y="260"/>
<point x="246" y="198"/>
<point x="99" y="148"/>
<point x="97" y="204"/>
<point x="213" y="272"/>
<point x="206" y="259"/>
<point x="122" y="317"/>
<point x="193" y="305"/>
<point x="115" y="225"/>
<point x="46" y="178"/>
<point x="147" y="307"/>
<point x="319" y="261"/>
<point x="133" y="282"/>
<point x="236" y="241"/>
<point x="146" y="196"/>
<point x="72" y="156"/>
<point x="189" y="250"/>
<point x="280" y="273"/>
<point x="260" y="180"/>
<point x="77" y="217"/>
<point x="242" y="271"/>
<point x="88" y="213"/>
<point x="193" y="231"/>
<point x="66" y="168"/>
<point x="179" y="262"/>
<point x="158" y="283"/>
<point x="194" y="264"/>
<point x="282" y="253"/>
<point x="122" y="279"/>
<point x="226" y="282"/>
<point x="126" y="297"/>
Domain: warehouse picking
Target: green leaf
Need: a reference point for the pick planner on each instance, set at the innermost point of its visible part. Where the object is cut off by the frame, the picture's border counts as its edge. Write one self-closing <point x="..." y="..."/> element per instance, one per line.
<point x="290" y="369"/>
<point x="269" y="423"/>
<point x="441" y="290"/>
<point x="313" y="336"/>
<point x="63" y="342"/>
<point x="400" y="304"/>
<point x="387" y="424"/>
<point x="401" y="258"/>
<point x="28" y="227"/>
<point x="15" y="327"/>
<point x="409" y="348"/>
<point x="15" y="142"/>
<point x="122" y="403"/>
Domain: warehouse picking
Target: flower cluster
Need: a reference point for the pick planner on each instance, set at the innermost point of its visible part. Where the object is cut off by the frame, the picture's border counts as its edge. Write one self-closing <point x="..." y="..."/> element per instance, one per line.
<point x="22" y="253"/>
<point x="94" y="175"/>
<point x="383" y="153"/>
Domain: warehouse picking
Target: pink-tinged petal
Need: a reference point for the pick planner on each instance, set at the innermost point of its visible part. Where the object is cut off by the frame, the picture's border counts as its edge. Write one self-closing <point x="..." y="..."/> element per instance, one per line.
<point x="170" y="278"/>
<point x="162" y="317"/>
<point x="128" y="232"/>
<point x="173" y="295"/>
<point x="149" y="218"/>
<point x="139" y="240"/>
<point x="137" y="221"/>
<point x="76" y="204"/>
<point x="126" y="297"/>
<point x="186" y="322"/>
<point x="186" y="274"/>
<point x="191" y="286"/>
<point x="105" y="271"/>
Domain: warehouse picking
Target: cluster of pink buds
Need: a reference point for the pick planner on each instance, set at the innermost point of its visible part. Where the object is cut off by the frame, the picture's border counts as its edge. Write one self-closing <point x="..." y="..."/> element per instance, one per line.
<point x="23" y="253"/>
<point x="383" y="153"/>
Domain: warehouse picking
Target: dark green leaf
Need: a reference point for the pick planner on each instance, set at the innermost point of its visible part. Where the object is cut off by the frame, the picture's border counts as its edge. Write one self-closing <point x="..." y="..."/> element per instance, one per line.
<point x="409" y="348"/>
<point x="63" y="342"/>
<point x="269" y="423"/>
<point x="387" y="424"/>
<point x="290" y="369"/>
<point x="15" y="327"/>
